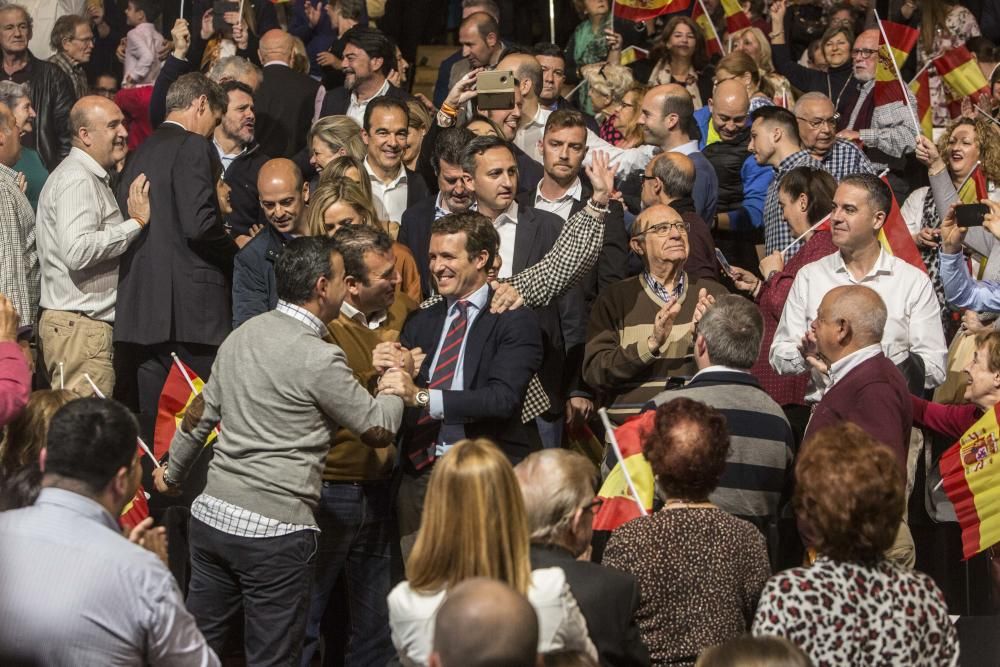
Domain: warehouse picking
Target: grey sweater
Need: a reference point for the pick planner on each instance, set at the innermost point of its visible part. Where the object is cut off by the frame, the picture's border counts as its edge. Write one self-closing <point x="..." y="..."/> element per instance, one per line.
<point x="280" y="392"/>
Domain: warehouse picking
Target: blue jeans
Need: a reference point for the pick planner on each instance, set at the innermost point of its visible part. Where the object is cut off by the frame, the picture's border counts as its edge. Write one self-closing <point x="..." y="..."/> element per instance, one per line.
<point x="550" y="432"/>
<point x="357" y="528"/>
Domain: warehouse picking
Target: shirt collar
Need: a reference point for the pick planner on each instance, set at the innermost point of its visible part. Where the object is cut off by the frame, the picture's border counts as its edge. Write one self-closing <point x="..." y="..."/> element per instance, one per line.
<point x="8" y="174"/>
<point x="302" y="315"/>
<point x="575" y="192"/>
<point x="541" y="117"/>
<point x="884" y="264"/>
<point x="174" y="122"/>
<point x="80" y="504"/>
<point x="508" y="216"/>
<point x="278" y="62"/>
<point x="719" y="369"/>
<point x="381" y="91"/>
<point x="686" y="149"/>
<point x="354" y="314"/>
<point x="477" y="299"/>
<point x="842" y="367"/>
<point x="88" y="162"/>
<point x="223" y="154"/>
<point x="399" y="178"/>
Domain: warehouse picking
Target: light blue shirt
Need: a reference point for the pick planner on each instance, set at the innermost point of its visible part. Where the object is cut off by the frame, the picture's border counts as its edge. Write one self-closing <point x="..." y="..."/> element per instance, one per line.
<point x="961" y="291"/>
<point x="452" y="433"/>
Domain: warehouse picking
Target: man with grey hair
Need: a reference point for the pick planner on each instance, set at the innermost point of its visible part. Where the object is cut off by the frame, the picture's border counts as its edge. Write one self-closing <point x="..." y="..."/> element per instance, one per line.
<point x="817" y="117"/>
<point x="758" y="472"/>
<point x="558" y="490"/>
<point x="72" y="41"/>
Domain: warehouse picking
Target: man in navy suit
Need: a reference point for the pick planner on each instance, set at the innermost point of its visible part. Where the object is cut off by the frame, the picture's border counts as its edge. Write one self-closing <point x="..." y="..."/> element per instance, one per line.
<point x="477" y="365"/>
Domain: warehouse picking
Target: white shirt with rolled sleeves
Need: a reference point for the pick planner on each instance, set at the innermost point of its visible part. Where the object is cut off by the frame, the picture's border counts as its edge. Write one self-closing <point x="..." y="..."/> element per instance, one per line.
<point x="913" y="323"/>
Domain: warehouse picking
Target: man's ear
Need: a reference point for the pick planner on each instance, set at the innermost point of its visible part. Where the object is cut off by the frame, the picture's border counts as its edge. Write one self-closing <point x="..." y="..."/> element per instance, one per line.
<point x="364" y="136"/>
<point x="305" y="192"/>
<point x="636" y="246"/>
<point x="526" y="86"/>
<point x="483" y="260"/>
<point x="701" y="347"/>
<point x="376" y="64"/>
<point x="880" y="220"/>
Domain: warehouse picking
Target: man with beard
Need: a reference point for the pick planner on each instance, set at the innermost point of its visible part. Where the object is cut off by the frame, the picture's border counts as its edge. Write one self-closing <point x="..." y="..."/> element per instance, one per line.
<point x="817" y="118"/>
<point x="241" y="159"/>
<point x="368" y="59"/>
<point x="81" y="234"/>
<point x="283" y="197"/>
<point x="286" y="100"/>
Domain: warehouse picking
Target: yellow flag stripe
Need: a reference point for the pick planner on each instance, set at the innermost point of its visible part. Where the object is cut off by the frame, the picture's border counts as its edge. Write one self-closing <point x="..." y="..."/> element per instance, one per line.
<point x="966" y="79"/>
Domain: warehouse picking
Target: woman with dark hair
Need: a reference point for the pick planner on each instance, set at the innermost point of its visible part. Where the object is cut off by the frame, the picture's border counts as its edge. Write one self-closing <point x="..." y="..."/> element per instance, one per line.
<point x="836" y="42"/>
<point x="853" y="606"/>
<point x="806" y="197"/>
<point x="700" y="570"/>
<point x="679" y="56"/>
<point x="20" y="474"/>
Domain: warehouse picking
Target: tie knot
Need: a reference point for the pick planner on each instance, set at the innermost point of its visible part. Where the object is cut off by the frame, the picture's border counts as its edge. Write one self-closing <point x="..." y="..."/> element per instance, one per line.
<point x="462" y="307"/>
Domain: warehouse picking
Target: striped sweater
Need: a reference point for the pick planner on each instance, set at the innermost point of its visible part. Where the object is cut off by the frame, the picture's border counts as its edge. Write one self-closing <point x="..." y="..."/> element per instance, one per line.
<point x="758" y="474"/>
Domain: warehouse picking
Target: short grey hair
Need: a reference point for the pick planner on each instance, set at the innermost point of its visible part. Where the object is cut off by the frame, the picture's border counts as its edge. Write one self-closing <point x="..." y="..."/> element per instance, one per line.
<point x="555" y="483"/>
<point x="676" y="182"/>
<point x="189" y="87"/>
<point x="232" y="67"/>
<point x="810" y="97"/>
<point x="11" y="93"/>
<point x="21" y="8"/>
<point x="732" y="330"/>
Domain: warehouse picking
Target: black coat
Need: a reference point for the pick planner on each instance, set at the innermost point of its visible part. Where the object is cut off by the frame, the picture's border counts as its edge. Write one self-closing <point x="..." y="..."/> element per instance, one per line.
<point x="415" y="234"/>
<point x="285" y="104"/>
<point x="337" y="100"/>
<point x="608" y="600"/>
<point x="174" y="280"/>
<point x="255" y="288"/>
<point x="52" y="97"/>
<point x="241" y="177"/>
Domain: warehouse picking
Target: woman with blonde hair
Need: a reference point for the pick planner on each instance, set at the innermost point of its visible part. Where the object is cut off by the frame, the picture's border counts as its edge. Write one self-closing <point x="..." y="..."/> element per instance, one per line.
<point x="474" y="525"/>
<point x="331" y="137"/>
<point x="607" y="85"/>
<point x="627" y="118"/>
<point x="20" y="474"/>
<point x="741" y="65"/>
<point x="420" y="124"/>
<point x="347" y="166"/>
<point x="343" y="201"/>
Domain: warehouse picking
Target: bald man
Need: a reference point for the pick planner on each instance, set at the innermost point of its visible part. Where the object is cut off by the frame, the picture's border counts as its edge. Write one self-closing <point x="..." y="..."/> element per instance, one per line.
<point x="639" y="336"/>
<point x="81" y="235"/>
<point x="817" y="118"/>
<point x="725" y="140"/>
<point x="283" y="199"/>
<point x="483" y="622"/>
<point x="286" y="101"/>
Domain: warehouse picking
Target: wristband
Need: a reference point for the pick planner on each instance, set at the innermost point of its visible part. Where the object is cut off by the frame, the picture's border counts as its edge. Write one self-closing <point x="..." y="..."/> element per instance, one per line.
<point x="448" y="110"/>
<point x="597" y="207"/>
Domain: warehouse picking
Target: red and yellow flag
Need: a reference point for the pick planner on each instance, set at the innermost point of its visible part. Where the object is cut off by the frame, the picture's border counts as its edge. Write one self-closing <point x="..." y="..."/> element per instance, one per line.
<point x="970" y="470"/>
<point x="644" y="10"/>
<point x="619" y="503"/>
<point x="959" y="69"/>
<point x="974" y="188"/>
<point x="891" y="55"/>
<point x="633" y="54"/>
<point x="921" y="87"/>
<point x="895" y="236"/>
<point x="712" y="42"/>
<point x="135" y="511"/>
<point x="736" y="18"/>
<point x="174" y="401"/>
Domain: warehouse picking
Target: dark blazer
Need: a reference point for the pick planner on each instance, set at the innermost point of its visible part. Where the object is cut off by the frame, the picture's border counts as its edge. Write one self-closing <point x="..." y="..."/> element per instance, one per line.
<point x="874" y="396"/>
<point x="52" y="97"/>
<point x="174" y="281"/>
<point x="608" y="600"/>
<point x="337" y="100"/>
<point x="243" y="196"/>
<point x="416" y="188"/>
<point x="502" y="352"/>
<point x="284" y="104"/>
<point x="255" y="288"/>
<point x="415" y="234"/>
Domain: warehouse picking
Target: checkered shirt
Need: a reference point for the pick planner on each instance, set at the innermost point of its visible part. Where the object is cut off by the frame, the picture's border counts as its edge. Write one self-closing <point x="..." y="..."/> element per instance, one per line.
<point x="845" y="158"/>
<point x="573" y="254"/>
<point x="891" y="129"/>
<point x="20" y="274"/>
<point x="240" y="522"/>
<point x="777" y="234"/>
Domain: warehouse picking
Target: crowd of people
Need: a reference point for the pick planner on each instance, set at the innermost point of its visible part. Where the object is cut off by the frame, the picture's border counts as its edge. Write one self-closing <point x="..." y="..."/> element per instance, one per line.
<point x="400" y="315"/>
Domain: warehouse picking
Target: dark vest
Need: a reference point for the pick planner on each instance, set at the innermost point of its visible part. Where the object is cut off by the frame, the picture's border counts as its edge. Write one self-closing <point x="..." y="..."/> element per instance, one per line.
<point x="727" y="157"/>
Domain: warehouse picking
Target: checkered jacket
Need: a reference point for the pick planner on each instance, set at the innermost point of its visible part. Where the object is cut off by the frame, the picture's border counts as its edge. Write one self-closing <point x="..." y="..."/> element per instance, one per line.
<point x="572" y="256"/>
<point x="20" y="274"/>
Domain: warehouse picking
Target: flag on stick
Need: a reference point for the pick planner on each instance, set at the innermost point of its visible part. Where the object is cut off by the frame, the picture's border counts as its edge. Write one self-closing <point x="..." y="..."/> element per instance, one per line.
<point x="970" y="470"/>
<point x="895" y="43"/>
<point x="974" y="188"/>
<point x="736" y="18"/>
<point x="181" y="387"/>
<point x="921" y="87"/>
<point x="633" y="54"/>
<point x="959" y="70"/>
<point x="644" y="10"/>
<point x="712" y="41"/>
<point x="628" y="490"/>
<point x="895" y="236"/>
<point x="135" y="511"/>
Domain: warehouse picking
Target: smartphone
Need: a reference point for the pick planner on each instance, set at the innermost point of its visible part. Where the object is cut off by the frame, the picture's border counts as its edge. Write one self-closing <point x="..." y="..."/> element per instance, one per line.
<point x="727" y="268"/>
<point x="971" y="215"/>
<point x="495" y="90"/>
<point x="219" y="9"/>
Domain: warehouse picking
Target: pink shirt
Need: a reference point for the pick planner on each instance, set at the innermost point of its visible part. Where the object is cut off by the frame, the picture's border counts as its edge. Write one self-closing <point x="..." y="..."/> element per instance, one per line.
<point x="142" y="65"/>
<point x="15" y="382"/>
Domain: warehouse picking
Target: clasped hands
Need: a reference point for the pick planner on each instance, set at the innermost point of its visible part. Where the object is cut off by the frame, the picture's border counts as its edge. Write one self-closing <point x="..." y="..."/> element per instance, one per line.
<point x="397" y="366"/>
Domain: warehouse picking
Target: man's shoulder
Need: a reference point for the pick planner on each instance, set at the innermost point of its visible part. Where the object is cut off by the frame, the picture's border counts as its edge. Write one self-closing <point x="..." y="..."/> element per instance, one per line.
<point x="546" y="219"/>
<point x="420" y="210"/>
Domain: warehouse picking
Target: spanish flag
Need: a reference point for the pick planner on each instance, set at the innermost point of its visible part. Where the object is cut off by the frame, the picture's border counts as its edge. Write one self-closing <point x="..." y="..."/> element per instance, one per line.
<point x="895" y="236"/>
<point x="736" y="18"/>
<point x="174" y="401"/>
<point x="135" y="511"/>
<point x="644" y="10"/>
<point x="891" y="56"/>
<point x="712" y="42"/>
<point x="633" y="54"/>
<point x="960" y="71"/>
<point x="973" y="483"/>
<point x="619" y="504"/>
<point x="974" y="188"/>
<point x="921" y="87"/>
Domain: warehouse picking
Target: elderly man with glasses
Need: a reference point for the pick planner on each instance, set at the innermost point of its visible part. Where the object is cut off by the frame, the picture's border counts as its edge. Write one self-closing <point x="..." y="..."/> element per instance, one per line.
<point x="73" y="41"/>
<point x="640" y="332"/>
<point x="818" y="119"/>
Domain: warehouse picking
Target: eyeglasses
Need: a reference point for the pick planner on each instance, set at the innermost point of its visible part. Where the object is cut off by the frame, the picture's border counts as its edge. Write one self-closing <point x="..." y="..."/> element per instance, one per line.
<point x="647" y="177"/>
<point x="85" y="40"/>
<point x="864" y="54"/>
<point x="817" y="123"/>
<point x="664" y="228"/>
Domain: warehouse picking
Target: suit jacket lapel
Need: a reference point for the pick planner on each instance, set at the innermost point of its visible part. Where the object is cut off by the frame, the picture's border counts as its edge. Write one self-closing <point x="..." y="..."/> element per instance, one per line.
<point x="475" y="343"/>
<point x="524" y="239"/>
<point x="435" y="323"/>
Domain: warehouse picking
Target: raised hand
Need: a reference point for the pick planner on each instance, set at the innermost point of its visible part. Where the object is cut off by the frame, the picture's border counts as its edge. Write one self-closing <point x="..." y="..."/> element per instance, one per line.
<point x="602" y="177"/>
<point x="952" y="236"/>
<point x="810" y="352"/>
<point x="9" y="320"/>
<point x="705" y="301"/>
<point x="744" y="280"/>
<point x="313" y="12"/>
<point x="181" y="34"/>
<point x="663" y="324"/>
<point x="505" y="297"/>
<point x="464" y="89"/>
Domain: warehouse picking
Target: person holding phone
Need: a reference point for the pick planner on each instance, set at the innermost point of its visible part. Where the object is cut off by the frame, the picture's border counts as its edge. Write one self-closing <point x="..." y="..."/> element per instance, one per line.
<point x="961" y="290"/>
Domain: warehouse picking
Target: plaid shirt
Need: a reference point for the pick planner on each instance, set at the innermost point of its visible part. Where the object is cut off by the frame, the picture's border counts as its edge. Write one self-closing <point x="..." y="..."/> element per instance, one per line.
<point x="20" y="275"/>
<point x="777" y="234"/>
<point x="573" y="254"/>
<point x="891" y="130"/>
<point x="75" y="72"/>
<point x="234" y="520"/>
<point x="846" y="158"/>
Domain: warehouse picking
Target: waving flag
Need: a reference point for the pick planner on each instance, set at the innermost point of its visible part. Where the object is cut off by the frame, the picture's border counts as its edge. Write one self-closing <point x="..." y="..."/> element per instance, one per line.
<point x="644" y="10"/>
<point x="960" y="71"/>
<point x="174" y="401"/>
<point x="891" y="55"/>
<point x="970" y="470"/>
<point x="974" y="187"/>
<point x="736" y="18"/>
<point x="895" y="236"/>
<point x="633" y="54"/>
<point x="921" y="87"/>
<point x="704" y="21"/>
<point x="135" y="511"/>
<point x="620" y="504"/>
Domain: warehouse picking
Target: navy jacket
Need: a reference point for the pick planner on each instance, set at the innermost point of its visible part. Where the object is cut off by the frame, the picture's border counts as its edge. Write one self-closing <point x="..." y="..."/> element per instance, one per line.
<point x="255" y="290"/>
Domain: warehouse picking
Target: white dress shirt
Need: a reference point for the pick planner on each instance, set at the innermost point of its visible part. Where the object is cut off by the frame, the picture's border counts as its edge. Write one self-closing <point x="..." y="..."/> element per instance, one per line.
<point x="913" y="324"/>
<point x="563" y="206"/>
<point x="506" y="226"/>
<point x="842" y="367"/>
<point x="81" y="233"/>
<point x="356" y="108"/>
<point x="391" y="195"/>
<point x="353" y="313"/>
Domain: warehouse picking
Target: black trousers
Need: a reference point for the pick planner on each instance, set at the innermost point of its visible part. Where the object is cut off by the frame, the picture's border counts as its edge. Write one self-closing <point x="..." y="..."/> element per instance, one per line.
<point x="270" y="578"/>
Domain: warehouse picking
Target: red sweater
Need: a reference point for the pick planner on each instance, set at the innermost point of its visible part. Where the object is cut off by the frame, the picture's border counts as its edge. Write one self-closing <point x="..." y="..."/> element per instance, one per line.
<point x="950" y="420"/>
<point x="15" y="382"/>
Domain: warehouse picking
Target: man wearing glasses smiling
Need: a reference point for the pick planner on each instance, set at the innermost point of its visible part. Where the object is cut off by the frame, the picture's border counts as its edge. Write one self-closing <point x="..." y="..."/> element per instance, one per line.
<point x="639" y="335"/>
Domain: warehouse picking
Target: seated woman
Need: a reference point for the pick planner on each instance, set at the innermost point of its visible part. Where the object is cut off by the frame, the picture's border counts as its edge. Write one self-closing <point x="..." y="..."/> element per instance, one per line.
<point x="343" y="202"/>
<point x="853" y="606"/>
<point x="20" y="474"/>
<point x="474" y="525"/>
<point x="806" y="197"/>
<point x="700" y="570"/>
